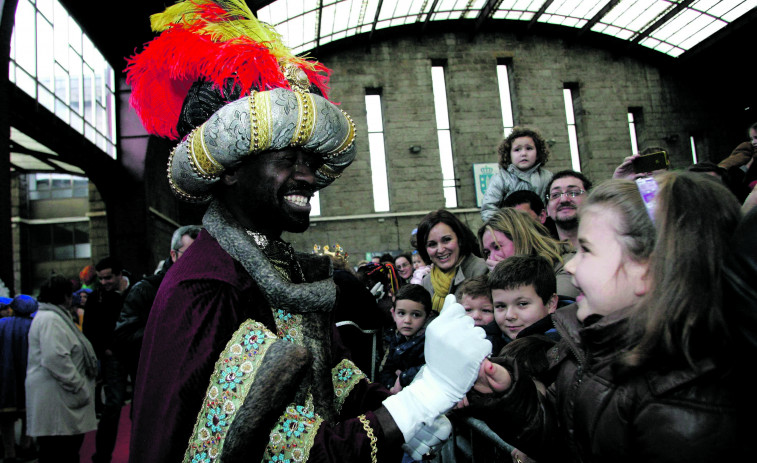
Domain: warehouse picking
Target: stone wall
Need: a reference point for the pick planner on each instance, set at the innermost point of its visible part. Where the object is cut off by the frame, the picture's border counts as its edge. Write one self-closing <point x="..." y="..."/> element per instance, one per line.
<point x="670" y="108"/>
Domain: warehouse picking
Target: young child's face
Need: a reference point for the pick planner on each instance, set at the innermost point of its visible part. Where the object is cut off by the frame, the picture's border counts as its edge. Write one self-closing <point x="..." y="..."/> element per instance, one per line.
<point x="409" y="316"/>
<point x="523" y="153"/>
<point x="607" y="279"/>
<point x="479" y="308"/>
<point x="417" y="262"/>
<point x="516" y="309"/>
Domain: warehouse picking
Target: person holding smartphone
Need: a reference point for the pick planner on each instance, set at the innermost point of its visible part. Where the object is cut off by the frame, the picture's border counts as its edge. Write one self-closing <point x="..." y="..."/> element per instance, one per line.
<point x="632" y="168"/>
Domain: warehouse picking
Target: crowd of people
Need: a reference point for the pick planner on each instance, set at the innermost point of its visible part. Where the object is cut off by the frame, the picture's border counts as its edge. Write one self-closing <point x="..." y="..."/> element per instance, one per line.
<point x="643" y="302"/>
<point x="580" y="323"/>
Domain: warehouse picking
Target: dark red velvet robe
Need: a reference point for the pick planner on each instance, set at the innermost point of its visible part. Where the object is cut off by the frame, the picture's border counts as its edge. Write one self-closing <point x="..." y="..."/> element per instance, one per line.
<point x="203" y="299"/>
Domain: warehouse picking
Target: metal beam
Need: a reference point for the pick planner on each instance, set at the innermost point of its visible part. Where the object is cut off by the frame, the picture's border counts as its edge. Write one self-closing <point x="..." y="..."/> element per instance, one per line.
<point x="601" y="14"/>
<point x="486" y="13"/>
<point x="539" y="13"/>
<point x="375" y="20"/>
<point x="428" y="16"/>
<point x="656" y="25"/>
<point x="319" y="20"/>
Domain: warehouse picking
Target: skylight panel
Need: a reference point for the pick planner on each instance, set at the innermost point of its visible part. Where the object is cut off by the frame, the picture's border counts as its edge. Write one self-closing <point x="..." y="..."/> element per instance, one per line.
<point x="387" y="10"/>
<point x="450" y="5"/>
<point x="677" y="24"/>
<point x="701" y="35"/>
<point x="576" y="8"/>
<point x="402" y="9"/>
<point x="730" y="10"/>
<point x="297" y="7"/>
<point x="350" y="11"/>
<point x="329" y="19"/>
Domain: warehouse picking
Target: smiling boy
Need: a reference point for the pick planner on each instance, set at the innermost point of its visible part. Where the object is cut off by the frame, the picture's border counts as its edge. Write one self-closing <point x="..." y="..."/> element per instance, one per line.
<point x="524" y="294"/>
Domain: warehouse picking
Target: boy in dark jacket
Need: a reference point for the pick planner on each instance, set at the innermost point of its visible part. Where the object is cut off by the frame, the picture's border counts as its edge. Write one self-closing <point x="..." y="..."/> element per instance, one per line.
<point x="404" y="345"/>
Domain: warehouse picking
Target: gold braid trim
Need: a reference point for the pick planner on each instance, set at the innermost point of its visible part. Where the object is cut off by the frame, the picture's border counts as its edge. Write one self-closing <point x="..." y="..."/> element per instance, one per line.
<point x="305" y="119"/>
<point x="371" y="436"/>
<point x="260" y="122"/>
<point x="200" y="159"/>
<point x="175" y="188"/>
<point x="329" y="172"/>
<point x="348" y="141"/>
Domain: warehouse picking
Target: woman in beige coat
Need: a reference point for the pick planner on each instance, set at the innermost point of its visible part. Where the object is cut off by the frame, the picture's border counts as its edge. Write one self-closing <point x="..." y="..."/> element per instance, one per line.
<point x="60" y="377"/>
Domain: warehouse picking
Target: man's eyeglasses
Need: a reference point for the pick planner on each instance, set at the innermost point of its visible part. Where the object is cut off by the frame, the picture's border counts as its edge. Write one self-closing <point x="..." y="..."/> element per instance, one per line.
<point x="560" y="194"/>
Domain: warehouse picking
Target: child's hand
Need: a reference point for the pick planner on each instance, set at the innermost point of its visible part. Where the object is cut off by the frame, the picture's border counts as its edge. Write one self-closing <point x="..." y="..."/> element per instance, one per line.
<point x="397" y="386"/>
<point x="492" y="378"/>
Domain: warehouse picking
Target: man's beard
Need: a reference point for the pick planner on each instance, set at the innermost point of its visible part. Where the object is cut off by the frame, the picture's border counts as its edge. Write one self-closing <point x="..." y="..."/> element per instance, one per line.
<point x="567" y="224"/>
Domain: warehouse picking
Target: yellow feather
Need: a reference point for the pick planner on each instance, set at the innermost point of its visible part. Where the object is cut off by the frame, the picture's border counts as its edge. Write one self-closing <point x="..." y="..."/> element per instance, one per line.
<point x="237" y="21"/>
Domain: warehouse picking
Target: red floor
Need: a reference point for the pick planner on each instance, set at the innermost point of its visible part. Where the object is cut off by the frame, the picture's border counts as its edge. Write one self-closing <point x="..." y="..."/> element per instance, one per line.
<point x="121" y="452"/>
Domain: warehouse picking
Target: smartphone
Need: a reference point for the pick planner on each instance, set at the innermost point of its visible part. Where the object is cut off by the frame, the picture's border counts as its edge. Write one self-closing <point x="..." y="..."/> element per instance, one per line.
<point x="650" y="162"/>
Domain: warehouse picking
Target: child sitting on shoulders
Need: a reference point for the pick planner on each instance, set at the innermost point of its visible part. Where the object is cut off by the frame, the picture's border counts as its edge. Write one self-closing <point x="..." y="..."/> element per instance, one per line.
<point x="522" y="156"/>
<point x="524" y="294"/>
<point x="474" y="295"/>
<point x="404" y="345"/>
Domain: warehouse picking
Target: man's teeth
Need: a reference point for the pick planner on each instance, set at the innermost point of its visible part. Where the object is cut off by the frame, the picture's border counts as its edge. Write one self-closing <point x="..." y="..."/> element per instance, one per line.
<point x="298" y="200"/>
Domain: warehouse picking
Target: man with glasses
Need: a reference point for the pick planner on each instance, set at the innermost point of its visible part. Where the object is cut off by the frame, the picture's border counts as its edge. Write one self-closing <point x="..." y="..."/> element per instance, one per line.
<point x="565" y="193"/>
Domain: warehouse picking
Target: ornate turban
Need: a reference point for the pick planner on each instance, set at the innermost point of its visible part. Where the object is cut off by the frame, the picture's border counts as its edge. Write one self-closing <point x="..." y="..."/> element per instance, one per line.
<point x="225" y="82"/>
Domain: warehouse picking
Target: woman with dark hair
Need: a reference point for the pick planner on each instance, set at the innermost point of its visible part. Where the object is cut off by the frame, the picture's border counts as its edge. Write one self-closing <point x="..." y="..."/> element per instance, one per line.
<point x="452" y="248"/>
<point x="60" y="376"/>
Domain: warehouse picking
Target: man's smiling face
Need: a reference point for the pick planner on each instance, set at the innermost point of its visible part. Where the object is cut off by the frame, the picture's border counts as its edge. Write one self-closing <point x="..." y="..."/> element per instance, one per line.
<point x="271" y="192"/>
<point x="564" y="209"/>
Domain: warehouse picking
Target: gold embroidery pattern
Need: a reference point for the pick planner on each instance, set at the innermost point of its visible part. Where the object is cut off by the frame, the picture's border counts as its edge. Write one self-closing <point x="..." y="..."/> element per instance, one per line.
<point x="345" y="377"/>
<point x="293" y="436"/>
<point x="230" y="382"/>
<point x="200" y="158"/>
<point x="305" y="119"/>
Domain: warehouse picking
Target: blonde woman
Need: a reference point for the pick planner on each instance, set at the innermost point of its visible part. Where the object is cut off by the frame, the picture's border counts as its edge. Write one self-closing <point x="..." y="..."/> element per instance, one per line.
<point x="509" y="232"/>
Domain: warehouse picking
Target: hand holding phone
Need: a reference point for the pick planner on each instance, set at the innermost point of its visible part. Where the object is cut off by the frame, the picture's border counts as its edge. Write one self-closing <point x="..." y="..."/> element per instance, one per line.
<point x="651" y="162"/>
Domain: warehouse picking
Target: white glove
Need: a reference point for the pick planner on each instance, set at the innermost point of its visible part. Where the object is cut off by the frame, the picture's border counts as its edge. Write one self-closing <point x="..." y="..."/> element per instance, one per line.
<point x="378" y="291"/>
<point x="426" y="442"/>
<point x="454" y="350"/>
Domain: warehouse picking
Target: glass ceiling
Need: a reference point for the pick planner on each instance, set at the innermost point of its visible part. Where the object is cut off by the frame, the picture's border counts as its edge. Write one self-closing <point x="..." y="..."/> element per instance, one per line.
<point x="670" y="27"/>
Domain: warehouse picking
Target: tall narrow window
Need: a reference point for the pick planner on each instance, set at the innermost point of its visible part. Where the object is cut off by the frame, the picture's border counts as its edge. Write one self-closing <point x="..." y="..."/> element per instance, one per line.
<point x="315" y="204"/>
<point x="694" y="157"/>
<point x="444" y="136"/>
<point x="377" y="150"/>
<point x="632" y="131"/>
<point x="570" y="117"/>
<point x="505" y="100"/>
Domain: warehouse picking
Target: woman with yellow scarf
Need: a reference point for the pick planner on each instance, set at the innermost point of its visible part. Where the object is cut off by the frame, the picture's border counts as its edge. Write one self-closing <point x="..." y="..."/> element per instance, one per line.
<point x="452" y="248"/>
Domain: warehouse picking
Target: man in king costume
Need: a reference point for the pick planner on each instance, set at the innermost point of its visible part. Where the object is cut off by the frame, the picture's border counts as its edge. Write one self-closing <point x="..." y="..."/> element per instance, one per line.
<point x="241" y="360"/>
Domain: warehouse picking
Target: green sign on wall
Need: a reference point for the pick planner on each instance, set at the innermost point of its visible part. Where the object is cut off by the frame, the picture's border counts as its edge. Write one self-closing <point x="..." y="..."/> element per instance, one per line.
<point x="482" y="175"/>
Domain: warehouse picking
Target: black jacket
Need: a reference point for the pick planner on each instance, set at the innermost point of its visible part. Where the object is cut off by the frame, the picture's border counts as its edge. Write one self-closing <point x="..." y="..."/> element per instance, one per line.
<point x="594" y="412"/>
